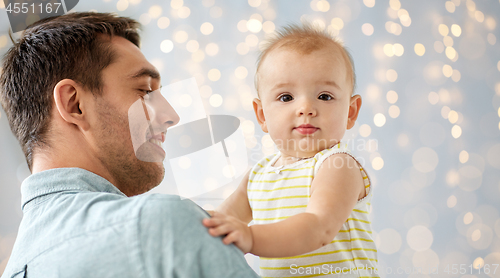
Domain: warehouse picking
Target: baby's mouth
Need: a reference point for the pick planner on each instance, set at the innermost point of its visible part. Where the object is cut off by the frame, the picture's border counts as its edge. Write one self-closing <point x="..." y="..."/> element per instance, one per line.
<point x="306" y="129"/>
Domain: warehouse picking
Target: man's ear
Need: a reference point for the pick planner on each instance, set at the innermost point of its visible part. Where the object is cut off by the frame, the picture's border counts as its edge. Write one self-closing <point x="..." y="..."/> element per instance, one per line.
<point x="354" y="106"/>
<point x="69" y="105"/>
<point x="259" y="113"/>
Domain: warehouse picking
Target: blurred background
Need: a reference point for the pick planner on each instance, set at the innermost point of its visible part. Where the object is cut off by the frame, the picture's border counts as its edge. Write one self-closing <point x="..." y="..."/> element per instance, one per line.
<point x="428" y="131"/>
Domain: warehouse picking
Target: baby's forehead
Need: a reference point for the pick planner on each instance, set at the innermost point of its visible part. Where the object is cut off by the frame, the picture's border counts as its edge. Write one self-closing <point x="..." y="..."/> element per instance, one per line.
<point x="304" y="40"/>
<point x="330" y="51"/>
<point x="277" y="58"/>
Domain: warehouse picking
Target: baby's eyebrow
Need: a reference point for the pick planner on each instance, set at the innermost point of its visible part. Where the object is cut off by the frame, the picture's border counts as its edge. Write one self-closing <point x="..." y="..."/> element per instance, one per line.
<point x="331" y="83"/>
<point x="326" y="82"/>
<point x="280" y="85"/>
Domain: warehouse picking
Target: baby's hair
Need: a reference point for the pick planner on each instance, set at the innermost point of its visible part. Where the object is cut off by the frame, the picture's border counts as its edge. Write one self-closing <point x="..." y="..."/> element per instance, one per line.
<point x="304" y="38"/>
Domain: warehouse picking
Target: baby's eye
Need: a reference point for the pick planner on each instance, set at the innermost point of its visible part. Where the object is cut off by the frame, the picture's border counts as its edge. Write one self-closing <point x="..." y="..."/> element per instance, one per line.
<point x="285" y="98"/>
<point x="325" y="97"/>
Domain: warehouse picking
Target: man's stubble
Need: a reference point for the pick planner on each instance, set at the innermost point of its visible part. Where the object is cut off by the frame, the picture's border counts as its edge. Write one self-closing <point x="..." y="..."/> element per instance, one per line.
<point x="116" y="153"/>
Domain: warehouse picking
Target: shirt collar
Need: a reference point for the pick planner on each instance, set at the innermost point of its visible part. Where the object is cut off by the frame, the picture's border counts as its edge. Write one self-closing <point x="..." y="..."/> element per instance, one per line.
<point x="64" y="179"/>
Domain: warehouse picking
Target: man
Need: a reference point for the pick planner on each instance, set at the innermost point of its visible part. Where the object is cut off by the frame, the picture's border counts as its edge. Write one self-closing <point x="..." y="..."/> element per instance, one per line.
<point x="66" y="87"/>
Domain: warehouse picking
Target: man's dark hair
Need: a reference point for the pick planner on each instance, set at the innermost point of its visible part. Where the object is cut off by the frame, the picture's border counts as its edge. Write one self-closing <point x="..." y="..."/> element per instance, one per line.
<point x="71" y="46"/>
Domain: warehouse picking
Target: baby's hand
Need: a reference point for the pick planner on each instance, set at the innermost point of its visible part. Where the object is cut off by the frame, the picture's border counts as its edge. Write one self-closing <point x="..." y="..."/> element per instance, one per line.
<point x="236" y="231"/>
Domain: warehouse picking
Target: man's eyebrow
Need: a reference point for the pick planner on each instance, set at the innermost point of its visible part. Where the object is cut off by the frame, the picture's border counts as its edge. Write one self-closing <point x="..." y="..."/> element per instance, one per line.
<point x="146" y="72"/>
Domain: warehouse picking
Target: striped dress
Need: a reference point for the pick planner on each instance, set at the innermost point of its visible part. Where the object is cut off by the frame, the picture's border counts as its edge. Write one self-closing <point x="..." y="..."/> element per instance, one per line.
<point x="276" y="193"/>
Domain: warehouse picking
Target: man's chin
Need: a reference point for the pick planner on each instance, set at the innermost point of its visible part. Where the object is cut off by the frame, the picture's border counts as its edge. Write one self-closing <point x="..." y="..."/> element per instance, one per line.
<point x="149" y="152"/>
<point x="151" y="170"/>
<point x="147" y="176"/>
<point x="156" y="173"/>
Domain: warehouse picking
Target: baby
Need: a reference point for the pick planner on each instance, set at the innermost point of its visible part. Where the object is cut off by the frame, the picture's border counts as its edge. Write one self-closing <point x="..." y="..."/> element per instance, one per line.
<point x="310" y="201"/>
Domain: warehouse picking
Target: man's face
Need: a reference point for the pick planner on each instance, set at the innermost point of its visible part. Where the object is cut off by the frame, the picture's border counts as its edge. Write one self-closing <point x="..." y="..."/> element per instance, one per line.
<point x="305" y="100"/>
<point x="130" y="79"/>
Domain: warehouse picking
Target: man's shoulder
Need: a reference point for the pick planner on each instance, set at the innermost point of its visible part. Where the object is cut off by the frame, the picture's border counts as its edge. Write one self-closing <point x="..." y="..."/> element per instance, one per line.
<point x="159" y="214"/>
<point x="171" y="231"/>
<point x="167" y="206"/>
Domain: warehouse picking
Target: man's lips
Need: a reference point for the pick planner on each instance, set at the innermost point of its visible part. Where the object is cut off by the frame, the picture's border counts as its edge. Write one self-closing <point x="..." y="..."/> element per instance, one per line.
<point x="157" y="140"/>
<point x="306" y="129"/>
<point x="159" y="137"/>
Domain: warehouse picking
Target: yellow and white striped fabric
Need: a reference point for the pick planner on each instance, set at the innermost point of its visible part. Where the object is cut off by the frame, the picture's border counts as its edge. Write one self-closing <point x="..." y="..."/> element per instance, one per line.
<point x="276" y="193"/>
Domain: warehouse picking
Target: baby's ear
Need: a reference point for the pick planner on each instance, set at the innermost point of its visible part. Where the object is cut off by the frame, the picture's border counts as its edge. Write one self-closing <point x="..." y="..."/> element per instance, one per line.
<point x="259" y="113"/>
<point x="354" y="106"/>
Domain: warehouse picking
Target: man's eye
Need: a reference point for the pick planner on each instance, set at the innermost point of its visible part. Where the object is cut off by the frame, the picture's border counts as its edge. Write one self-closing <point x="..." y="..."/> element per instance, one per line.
<point x="285" y="98"/>
<point x="325" y="97"/>
<point x="146" y="93"/>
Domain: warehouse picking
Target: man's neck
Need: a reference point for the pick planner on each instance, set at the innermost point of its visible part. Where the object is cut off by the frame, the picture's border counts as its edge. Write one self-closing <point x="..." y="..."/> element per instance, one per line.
<point x="75" y="156"/>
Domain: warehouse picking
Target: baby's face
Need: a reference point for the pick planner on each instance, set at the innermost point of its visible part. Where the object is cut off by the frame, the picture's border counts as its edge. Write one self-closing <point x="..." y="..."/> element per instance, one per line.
<point x="305" y="100"/>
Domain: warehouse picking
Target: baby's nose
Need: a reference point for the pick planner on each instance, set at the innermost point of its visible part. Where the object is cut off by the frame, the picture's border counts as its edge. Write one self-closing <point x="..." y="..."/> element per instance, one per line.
<point x="306" y="108"/>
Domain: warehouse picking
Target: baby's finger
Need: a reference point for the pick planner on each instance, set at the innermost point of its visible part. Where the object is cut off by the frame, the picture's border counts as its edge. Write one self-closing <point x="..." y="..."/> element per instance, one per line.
<point x="212" y="222"/>
<point x="231" y="237"/>
<point x="220" y="230"/>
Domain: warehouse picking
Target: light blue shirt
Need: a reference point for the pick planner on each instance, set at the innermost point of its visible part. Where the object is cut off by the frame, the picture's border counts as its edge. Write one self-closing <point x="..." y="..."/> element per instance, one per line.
<point x="77" y="224"/>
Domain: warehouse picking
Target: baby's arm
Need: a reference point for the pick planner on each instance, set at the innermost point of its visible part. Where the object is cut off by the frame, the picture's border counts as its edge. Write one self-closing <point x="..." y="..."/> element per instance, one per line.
<point x="334" y="193"/>
<point x="237" y="204"/>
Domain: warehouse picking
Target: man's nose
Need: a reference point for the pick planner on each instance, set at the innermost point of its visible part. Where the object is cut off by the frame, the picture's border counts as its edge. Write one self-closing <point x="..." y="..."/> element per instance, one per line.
<point x="165" y="115"/>
<point x="306" y="108"/>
